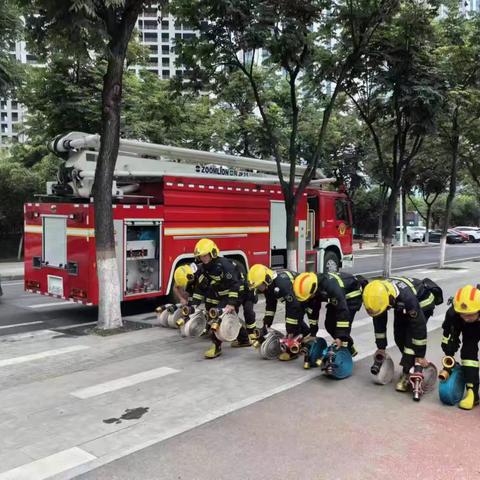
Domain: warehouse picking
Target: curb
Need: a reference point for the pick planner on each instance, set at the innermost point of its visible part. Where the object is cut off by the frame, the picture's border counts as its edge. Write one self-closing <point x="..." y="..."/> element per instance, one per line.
<point x="380" y="249"/>
<point x="6" y="278"/>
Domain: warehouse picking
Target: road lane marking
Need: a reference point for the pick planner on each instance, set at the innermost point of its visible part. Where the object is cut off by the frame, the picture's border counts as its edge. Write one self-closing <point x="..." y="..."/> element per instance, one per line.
<point x="419" y="265"/>
<point x="21" y="324"/>
<point x="11" y="284"/>
<point x="49" y="466"/>
<point x="123" y="382"/>
<point x="37" y="356"/>
<point x="50" y="304"/>
<point x="67" y="327"/>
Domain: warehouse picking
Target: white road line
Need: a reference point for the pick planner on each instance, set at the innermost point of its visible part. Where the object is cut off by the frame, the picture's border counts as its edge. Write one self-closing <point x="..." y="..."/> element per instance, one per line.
<point x="419" y="265"/>
<point x="123" y="382"/>
<point x="36" y="356"/>
<point x="50" y="304"/>
<point x="11" y="284"/>
<point x="48" y="466"/>
<point x="20" y="324"/>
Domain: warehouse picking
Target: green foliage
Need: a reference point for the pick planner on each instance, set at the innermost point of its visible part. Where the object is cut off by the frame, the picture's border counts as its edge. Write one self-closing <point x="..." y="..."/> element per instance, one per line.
<point x="10" y="30"/>
<point x="366" y="206"/>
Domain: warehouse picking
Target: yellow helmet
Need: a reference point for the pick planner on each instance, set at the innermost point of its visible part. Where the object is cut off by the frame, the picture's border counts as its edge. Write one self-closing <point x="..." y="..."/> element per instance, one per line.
<point x="183" y="275"/>
<point x="259" y="274"/>
<point x="467" y="300"/>
<point x="206" y="246"/>
<point x="376" y="296"/>
<point x="305" y="285"/>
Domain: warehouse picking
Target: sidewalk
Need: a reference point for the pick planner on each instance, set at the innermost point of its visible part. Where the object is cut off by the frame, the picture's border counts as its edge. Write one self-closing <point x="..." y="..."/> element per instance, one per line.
<point x="11" y="270"/>
<point x="73" y="403"/>
<point x="372" y="246"/>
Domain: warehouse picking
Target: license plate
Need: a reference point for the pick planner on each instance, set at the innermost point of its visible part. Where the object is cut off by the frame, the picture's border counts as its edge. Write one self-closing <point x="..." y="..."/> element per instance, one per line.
<point x="55" y="285"/>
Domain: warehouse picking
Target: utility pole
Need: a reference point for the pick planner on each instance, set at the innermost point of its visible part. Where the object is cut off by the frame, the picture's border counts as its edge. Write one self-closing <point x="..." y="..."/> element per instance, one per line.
<point x="401" y="219"/>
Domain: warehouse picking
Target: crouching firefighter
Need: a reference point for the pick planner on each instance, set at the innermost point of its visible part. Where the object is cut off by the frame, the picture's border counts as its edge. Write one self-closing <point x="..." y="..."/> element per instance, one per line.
<point x="221" y="284"/>
<point x="278" y="286"/>
<point x="463" y="318"/>
<point x="343" y="294"/>
<point x="405" y="297"/>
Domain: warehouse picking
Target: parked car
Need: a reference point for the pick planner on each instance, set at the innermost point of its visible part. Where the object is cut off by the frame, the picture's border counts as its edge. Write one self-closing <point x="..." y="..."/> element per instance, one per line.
<point x="472" y="232"/>
<point x="414" y="234"/>
<point x="435" y="235"/>
<point x="457" y="232"/>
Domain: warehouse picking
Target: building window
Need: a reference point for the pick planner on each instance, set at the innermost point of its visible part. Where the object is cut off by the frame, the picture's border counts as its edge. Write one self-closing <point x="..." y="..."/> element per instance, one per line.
<point x="153" y="49"/>
<point x="149" y="24"/>
<point x="178" y="36"/>
<point x="4" y="128"/>
<point x="3" y="117"/>
<point x="31" y="58"/>
<point x="165" y="24"/>
<point x="165" y="49"/>
<point x="188" y="35"/>
<point x="3" y="104"/>
<point x="14" y="105"/>
<point x="166" y="74"/>
<point x="153" y="60"/>
<point x="14" y="116"/>
<point x="165" y="37"/>
<point x="149" y="37"/>
<point x="165" y="62"/>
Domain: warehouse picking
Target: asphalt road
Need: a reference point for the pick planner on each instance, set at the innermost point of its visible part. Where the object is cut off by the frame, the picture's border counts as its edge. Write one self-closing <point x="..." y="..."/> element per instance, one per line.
<point x="27" y="314"/>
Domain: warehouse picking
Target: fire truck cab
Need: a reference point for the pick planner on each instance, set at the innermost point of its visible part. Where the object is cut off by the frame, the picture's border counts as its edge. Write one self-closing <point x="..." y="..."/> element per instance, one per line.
<point x="165" y="200"/>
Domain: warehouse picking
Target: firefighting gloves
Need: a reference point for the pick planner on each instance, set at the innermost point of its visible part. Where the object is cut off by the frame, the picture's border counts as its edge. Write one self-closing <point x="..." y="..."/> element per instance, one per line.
<point x="450" y="345"/>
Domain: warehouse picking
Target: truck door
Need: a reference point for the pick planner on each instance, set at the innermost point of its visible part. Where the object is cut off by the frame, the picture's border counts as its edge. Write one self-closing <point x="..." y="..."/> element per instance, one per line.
<point x="343" y="224"/>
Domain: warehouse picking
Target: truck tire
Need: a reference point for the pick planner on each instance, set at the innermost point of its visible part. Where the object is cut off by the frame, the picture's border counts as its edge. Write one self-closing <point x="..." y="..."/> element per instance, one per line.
<point x="331" y="262"/>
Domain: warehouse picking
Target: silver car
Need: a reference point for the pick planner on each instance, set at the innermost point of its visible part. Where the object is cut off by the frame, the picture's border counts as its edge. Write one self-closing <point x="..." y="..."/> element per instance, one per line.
<point x="472" y="232"/>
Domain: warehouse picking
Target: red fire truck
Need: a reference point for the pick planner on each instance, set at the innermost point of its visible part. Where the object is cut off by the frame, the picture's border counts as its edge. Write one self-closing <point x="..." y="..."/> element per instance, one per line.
<point x="165" y="199"/>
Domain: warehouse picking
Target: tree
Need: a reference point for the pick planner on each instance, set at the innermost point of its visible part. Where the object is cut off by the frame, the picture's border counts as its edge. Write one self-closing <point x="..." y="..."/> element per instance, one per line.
<point x="458" y="61"/>
<point x="396" y="91"/>
<point x="106" y="27"/>
<point x="429" y="178"/>
<point x="10" y="30"/>
<point x="309" y="47"/>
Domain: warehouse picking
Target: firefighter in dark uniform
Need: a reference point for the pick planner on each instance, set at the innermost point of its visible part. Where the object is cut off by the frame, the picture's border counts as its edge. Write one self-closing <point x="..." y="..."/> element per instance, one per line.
<point x="278" y="286"/>
<point x="463" y="318"/>
<point x="342" y="291"/>
<point x="413" y="303"/>
<point x="221" y="283"/>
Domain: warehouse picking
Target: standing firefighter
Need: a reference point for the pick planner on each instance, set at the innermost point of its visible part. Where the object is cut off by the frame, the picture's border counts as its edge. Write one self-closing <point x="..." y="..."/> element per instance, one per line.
<point x="342" y="291"/>
<point x="279" y="286"/>
<point x="464" y="318"/>
<point x="221" y="284"/>
<point x="413" y="302"/>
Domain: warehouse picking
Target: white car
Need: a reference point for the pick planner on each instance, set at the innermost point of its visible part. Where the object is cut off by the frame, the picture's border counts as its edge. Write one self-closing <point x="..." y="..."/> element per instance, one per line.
<point x="413" y="234"/>
<point x="472" y="232"/>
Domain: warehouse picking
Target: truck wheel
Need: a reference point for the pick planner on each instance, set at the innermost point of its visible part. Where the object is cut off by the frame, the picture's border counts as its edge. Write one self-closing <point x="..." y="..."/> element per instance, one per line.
<point x="331" y="262"/>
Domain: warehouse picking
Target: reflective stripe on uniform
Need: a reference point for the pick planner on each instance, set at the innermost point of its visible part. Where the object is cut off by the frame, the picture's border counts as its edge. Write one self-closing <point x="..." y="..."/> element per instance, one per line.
<point x="233" y="294"/>
<point x="290" y="276"/>
<point x="197" y="296"/>
<point x="419" y="342"/>
<point x="355" y="293"/>
<point x="343" y="324"/>
<point x="430" y="299"/>
<point x="379" y="336"/>
<point x="446" y="339"/>
<point x="470" y="363"/>
<point x="212" y="301"/>
<point x="201" y="278"/>
<point x="251" y="325"/>
<point x="338" y="279"/>
<point x="291" y="321"/>
<point x="313" y="322"/>
<point x="408" y="351"/>
<point x="269" y="313"/>
<point x="224" y="292"/>
<point x="309" y="310"/>
<point x="407" y="281"/>
<point x="345" y="344"/>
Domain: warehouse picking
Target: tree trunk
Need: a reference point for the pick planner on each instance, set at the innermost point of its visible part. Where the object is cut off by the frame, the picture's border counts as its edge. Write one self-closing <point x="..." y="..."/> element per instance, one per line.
<point x="380" y="230"/>
<point x="427" y="223"/>
<point x="389" y="229"/>
<point x="291" y="211"/>
<point x="455" y="139"/>
<point x="109" y="312"/>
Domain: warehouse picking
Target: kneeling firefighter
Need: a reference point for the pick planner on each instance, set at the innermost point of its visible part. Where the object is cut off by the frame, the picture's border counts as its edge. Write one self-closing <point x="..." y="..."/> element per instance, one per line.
<point x="343" y="294"/>
<point x="278" y="286"/>
<point x="227" y="290"/>
<point x="463" y="318"/>
<point x="413" y="302"/>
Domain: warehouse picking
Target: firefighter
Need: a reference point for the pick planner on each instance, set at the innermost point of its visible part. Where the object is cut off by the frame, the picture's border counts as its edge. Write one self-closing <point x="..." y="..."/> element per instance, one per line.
<point x="226" y="287"/>
<point x="343" y="294"/>
<point x="279" y="286"/>
<point x="413" y="304"/>
<point x="463" y="317"/>
<point x="184" y="282"/>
